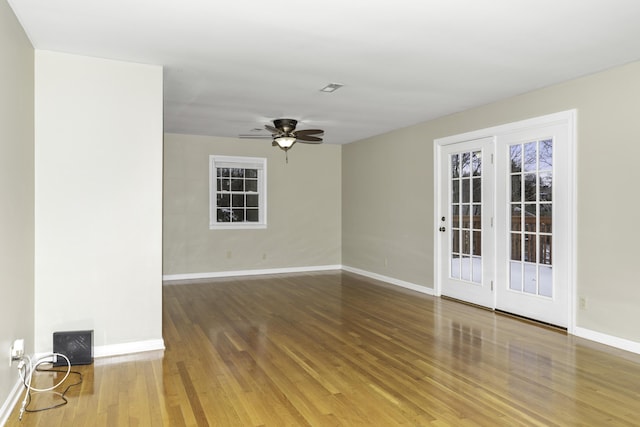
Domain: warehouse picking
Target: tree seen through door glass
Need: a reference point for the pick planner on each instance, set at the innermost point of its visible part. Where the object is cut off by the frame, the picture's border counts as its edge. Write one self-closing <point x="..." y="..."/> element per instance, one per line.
<point x="476" y="163"/>
<point x="455" y="166"/>
<point x="531" y="205"/>
<point x="466" y="215"/>
<point x="465" y="165"/>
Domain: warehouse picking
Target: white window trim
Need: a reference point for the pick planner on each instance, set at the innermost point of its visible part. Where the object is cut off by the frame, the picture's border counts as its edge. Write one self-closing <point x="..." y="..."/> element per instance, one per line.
<point x="259" y="163"/>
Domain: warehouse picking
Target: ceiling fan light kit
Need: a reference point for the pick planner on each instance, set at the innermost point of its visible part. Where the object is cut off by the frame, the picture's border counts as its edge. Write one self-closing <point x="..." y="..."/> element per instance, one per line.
<point x="284" y="134"/>
<point x="285" y="142"/>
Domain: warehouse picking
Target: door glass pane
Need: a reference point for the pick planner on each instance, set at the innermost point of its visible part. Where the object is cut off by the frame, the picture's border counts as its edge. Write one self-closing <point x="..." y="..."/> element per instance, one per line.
<point x="546" y="186"/>
<point x="466" y="242"/>
<point x="545" y="250"/>
<point x="530" y="158"/>
<point x="530" y="285"/>
<point x="516" y="217"/>
<point x="465" y="268"/>
<point x="466" y="216"/>
<point x="515" y="273"/>
<point x="546" y="155"/>
<point x="477" y="190"/>
<point x="477" y="163"/>
<point x="530" y="247"/>
<point x="531" y="269"/>
<point x="455" y="166"/>
<point x="476" y="222"/>
<point x="516" y="246"/>
<point x="516" y="188"/>
<point x="455" y="266"/>
<point x="476" y="269"/>
<point x="530" y="187"/>
<point x="477" y="242"/>
<point x="455" y="216"/>
<point x="466" y="164"/>
<point x="466" y="190"/>
<point x="530" y="219"/>
<point x="545" y="217"/>
<point x="456" y="240"/>
<point x="516" y="158"/>
<point x="545" y="280"/>
<point x="455" y="191"/>
<point x="466" y="224"/>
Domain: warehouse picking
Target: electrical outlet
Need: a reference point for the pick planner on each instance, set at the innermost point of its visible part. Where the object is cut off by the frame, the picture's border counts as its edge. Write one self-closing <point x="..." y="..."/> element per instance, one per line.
<point x="582" y="302"/>
<point x="16" y="351"/>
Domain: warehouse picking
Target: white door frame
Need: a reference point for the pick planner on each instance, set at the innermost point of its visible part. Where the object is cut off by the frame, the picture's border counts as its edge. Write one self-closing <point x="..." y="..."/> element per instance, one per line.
<point x="567" y="118"/>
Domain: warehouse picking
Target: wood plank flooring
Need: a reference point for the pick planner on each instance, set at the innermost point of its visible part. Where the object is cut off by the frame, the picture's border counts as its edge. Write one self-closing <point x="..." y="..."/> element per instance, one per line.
<point x="337" y="349"/>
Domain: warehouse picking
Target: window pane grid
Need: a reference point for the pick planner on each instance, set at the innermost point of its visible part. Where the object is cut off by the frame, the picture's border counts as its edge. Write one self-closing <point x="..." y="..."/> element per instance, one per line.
<point x="466" y="216"/>
<point x="237" y="195"/>
<point x="531" y="226"/>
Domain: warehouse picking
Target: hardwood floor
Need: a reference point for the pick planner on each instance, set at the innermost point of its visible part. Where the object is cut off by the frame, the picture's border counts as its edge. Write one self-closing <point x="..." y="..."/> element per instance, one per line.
<point x="337" y="349"/>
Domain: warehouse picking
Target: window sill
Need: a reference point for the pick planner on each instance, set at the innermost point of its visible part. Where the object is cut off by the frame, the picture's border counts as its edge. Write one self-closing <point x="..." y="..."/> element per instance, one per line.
<point x="243" y="226"/>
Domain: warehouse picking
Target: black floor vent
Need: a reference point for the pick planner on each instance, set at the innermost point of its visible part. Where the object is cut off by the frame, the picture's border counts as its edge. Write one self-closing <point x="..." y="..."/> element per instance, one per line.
<point x="76" y="345"/>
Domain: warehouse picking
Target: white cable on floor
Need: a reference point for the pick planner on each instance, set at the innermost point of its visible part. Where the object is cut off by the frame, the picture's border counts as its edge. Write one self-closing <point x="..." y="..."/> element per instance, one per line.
<point x="30" y="368"/>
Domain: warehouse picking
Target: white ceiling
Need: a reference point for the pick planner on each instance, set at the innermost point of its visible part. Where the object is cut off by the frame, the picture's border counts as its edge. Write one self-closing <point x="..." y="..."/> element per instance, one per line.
<point x="232" y="66"/>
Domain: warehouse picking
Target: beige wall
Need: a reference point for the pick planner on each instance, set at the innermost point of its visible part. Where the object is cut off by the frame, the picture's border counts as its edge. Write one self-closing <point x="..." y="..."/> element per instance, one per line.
<point x="303" y="208"/>
<point x="98" y="192"/>
<point x="388" y="193"/>
<point x="16" y="190"/>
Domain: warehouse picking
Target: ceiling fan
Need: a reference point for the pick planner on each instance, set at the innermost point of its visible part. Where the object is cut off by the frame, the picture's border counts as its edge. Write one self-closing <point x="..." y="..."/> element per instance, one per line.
<point x="284" y="134"/>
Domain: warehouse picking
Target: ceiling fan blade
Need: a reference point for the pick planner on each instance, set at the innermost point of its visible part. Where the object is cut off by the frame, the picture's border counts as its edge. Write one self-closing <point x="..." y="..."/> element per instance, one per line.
<point x="254" y="136"/>
<point x="273" y="130"/>
<point x="309" y="139"/>
<point x="309" y="132"/>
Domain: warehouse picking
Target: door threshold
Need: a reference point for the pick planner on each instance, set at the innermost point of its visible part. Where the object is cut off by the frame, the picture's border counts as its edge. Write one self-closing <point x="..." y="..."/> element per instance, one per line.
<point x="461" y="301"/>
<point x="532" y="321"/>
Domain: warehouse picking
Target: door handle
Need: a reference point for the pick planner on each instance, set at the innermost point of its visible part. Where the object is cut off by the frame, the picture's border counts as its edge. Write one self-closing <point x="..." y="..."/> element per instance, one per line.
<point x="442" y="229"/>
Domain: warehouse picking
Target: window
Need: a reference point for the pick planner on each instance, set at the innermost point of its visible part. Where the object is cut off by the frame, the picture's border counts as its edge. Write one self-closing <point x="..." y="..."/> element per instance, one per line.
<point x="237" y="192"/>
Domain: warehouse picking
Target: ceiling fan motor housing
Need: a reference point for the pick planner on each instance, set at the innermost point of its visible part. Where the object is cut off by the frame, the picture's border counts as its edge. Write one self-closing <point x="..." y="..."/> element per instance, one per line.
<point x="285" y="125"/>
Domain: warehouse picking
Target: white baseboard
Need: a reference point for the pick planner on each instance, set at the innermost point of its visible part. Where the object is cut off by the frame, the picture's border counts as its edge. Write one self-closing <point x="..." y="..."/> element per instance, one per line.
<point x="127" y="348"/>
<point x="609" y="340"/>
<point x="391" y="280"/>
<point x="10" y="403"/>
<point x="217" y="274"/>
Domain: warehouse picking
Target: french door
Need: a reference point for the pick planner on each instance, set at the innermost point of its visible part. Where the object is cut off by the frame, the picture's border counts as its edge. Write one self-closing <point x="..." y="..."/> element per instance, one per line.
<point x="505" y="218"/>
<point x="465" y="221"/>
<point x="533" y="224"/>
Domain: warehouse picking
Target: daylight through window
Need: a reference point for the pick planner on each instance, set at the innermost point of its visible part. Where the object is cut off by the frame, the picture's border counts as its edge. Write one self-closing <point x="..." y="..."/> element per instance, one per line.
<point x="238" y="195"/>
